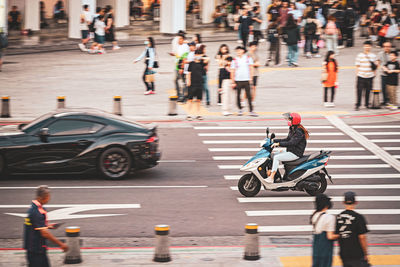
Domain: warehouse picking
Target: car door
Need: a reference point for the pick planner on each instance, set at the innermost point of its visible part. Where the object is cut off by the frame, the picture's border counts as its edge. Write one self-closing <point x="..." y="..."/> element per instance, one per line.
<point x="66" y="140"/>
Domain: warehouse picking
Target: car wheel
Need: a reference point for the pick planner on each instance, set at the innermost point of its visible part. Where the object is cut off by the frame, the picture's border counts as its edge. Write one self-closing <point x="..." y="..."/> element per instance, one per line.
<point x="115" y="163"/>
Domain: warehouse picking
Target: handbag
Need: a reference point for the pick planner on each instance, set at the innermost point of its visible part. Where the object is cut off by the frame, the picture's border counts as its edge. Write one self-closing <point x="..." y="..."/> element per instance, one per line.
<point x="382" y="32"/>
<point x="373" y="65"/>
<point x="324" y="75"/>
<point x="321" y="43"/>
<point x="393" y="30"/>
<point x="301" y="44"/>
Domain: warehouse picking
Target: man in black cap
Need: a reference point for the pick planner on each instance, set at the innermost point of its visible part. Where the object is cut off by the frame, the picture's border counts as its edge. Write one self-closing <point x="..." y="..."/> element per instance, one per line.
<point x="352" y="228"/>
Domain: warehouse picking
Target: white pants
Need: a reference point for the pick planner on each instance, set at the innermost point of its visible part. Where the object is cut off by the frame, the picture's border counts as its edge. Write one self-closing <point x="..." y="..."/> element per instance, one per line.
<point x="281" y="156"/>
<point x="227" y="93"/>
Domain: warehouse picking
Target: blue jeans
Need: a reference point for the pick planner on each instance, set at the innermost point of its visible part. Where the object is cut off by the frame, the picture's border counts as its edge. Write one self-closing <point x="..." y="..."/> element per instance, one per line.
<point x="293" y="53"/>
<point x="281" y="156"/>
<point x="205" y="88"/>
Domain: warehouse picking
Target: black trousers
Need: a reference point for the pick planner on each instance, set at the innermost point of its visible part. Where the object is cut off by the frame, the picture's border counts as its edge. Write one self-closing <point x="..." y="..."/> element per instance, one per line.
<point x="326" y="93"/>
<point x="355" y="263"/>
<point x="245" y="38"/>
<point x="246" y="86"/>
<point x="348" y="36"/>
<point x="383" y="90"/>
<point x="364" y="85"/>
<point x="149" y="86"/>
<point x="37" y="259"/>
<point x="274" y="52"/>
<point x="258" y="36"/>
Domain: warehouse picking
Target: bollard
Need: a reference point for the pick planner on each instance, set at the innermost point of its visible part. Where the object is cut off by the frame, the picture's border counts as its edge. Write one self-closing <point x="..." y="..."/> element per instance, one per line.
<point x="117" y="106"/>
<point x="60" y="101"/>
<point x="251" y="250"/>
<point x="73" y="255"/>
<point x="375" y="99"/>
<point x="172" y="106"/>
<point x="5" y="107"/>
<point x="162" y="244"/>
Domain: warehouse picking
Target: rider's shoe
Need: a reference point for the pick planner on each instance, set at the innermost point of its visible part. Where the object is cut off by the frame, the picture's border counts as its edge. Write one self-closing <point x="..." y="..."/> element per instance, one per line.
<point x="269" y="180"/>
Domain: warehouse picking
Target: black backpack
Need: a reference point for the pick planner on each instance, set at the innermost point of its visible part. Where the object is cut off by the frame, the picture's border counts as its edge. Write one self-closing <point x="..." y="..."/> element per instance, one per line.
<point x="3" y="40"/>
<point x="310" y="28"/>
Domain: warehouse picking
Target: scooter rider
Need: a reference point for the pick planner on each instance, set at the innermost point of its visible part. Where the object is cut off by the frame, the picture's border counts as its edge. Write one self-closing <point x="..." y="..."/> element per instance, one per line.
<point x="295" y="144"/>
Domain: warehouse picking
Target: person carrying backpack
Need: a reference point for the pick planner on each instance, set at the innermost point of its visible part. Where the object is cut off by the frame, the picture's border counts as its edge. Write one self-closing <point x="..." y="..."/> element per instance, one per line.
<point x="348" y="29"/>
<point x="310" y="30"/>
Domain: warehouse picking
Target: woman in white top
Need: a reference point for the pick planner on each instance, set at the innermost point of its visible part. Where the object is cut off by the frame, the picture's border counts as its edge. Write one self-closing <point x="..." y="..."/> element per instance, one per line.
<point x="323" y="232"/>
<point x="149" y="54"/>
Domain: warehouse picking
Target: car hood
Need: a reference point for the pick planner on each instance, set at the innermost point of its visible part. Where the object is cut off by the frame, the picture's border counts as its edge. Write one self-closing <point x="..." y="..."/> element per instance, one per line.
<point x="8" y="130"/>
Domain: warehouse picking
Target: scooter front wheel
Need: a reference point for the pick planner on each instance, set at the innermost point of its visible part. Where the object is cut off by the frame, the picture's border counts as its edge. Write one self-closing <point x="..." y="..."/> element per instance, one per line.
<point x="249" y="185"/>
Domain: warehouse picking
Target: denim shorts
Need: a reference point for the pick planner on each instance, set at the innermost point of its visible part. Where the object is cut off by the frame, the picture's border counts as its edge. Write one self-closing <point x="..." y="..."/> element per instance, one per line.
<point x="100" y="39"/>
<point x="85" y="34"/>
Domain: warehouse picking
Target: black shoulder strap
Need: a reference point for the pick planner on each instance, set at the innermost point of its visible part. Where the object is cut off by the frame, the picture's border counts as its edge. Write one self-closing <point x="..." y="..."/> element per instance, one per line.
<point x="316" y="222"/>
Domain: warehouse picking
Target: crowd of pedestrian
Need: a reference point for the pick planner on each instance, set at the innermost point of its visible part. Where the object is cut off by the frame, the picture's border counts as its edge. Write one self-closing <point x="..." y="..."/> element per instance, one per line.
<point x="349" y="228"/>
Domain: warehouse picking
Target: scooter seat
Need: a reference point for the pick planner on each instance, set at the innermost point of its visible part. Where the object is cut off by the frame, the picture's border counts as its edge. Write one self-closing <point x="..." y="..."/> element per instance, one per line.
<point x="301" y="160"/>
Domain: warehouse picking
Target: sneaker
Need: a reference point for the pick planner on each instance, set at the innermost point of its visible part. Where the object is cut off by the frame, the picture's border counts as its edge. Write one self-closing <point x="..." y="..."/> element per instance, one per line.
<point x="269" y="180"/>
<point x="340" y="46"/>
<point x="295" y="64"/>
<point x="147" y="93"/>
<point x="82" y="47"/>
<point x="101" y="52"/>
<point x="331" y="104"/>
<point x="227" y="114"/>
<point x="308" y="55"/>
<point x="116" y="47"/>
<point x="357" y="108"/>
<point x="253" y="114"/>
<point x="208" y="103"/>
<point x="152" y="92"/>
<point x="219" y="104"/>
<point x="200" y="118"/>
<point x="326" y="104"/>
<point x="240" y="113"/>
<point x="262" y="40"/>
<point x="393" y="108"/>
<point x="189" y="118"/>
<point x="317" y="55"/>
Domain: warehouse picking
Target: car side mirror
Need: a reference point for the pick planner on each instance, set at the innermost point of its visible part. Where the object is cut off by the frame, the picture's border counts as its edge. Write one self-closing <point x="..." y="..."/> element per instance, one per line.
<point x="22" y="125"/>
<point x="43" y="134"/>
<point x="272" y="136"/>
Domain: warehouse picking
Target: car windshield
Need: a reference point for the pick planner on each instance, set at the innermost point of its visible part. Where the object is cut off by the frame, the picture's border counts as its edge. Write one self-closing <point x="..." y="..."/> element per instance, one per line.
<point x="34" y="122"/>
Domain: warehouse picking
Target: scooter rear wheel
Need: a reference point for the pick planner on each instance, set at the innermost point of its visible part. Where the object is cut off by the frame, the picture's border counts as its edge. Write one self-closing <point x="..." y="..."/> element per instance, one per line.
<point x="249" y="185"/>
<point x="322" y="184"/>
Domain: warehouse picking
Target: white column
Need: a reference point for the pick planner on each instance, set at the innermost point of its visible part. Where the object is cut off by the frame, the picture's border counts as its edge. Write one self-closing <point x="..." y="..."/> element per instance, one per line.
<point x="32" y="15"/>
<point x="121" y="11"/>
<point x="173" y="16"/>
<point x="207" y="9"/>
<point x="264" y="5"/>
<point x="3" y="15"/>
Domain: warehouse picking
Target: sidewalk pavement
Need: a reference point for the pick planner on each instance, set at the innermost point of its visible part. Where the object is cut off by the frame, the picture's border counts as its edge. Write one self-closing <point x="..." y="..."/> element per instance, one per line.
<point x="279" y="252"/>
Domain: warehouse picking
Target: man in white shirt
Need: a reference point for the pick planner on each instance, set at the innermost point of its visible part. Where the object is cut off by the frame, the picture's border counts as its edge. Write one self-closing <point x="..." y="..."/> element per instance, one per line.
<point x="242" y="72"/>
<point x="180" y="53"/>
<point x="85" y="21"/>
<point x="366" y="64"/>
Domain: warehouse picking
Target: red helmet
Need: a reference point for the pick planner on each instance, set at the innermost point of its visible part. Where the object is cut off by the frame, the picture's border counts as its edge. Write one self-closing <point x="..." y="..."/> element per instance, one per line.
<point x="293" y="118"/>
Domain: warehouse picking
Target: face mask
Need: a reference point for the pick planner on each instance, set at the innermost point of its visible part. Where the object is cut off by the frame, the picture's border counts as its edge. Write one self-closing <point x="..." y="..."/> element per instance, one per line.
<point x="146" y="42"/>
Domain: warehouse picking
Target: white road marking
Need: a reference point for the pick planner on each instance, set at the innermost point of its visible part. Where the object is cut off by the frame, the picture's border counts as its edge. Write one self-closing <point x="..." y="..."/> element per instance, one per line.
<point x="219" y="142"/>
<point x="255" y="149"/>
<point x="362" y="140"/>
<point x="342" y="176"/>
<point x="67" y="211"/>
<point x="263" y="134"/>
<point x="355" y="157"/>
<point x="177" y="161"/>
<point x="351" y="186"/>
<point x="257" y="127"/>
<point x="376" y="126"/>
<point x="312" y="199"/>
<point x="253" y="213"/>
<point x="385" y="140"/>
<point x="308" y="228"/>
<point x="331" y="166"/>
<point x="391" y="148"/>
<point x="380" y="133"/>
<point x="107" y="187"/>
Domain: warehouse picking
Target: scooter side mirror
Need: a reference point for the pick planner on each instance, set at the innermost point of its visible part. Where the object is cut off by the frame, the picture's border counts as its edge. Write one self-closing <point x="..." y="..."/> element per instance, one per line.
<point x="267" y="131"/>
<point x="272" y="136"/>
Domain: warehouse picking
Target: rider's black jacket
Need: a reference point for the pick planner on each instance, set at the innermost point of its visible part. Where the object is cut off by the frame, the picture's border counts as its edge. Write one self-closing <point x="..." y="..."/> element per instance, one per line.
<point x="295" y="142"/>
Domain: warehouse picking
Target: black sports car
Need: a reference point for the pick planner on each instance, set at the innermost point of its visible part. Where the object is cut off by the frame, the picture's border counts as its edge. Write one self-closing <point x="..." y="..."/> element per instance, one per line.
<point x="77" y="141"/>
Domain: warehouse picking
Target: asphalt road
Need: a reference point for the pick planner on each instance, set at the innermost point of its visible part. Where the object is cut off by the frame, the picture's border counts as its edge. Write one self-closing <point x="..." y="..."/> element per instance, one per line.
<point x="193" y="187"/>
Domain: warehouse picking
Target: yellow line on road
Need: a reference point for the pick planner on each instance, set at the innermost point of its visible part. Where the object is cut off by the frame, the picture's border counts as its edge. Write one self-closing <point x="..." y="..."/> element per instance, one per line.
<point x="306" y="261"/>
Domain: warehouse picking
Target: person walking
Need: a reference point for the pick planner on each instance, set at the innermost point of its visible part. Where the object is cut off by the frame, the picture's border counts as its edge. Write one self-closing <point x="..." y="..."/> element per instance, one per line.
<point x="392" y="68"/>
<point x="256" y="64"/>
<point x="180" y="52"/>
<point x="85" y="21"/>
<point x="274" y="44"/>
<point x="351" y="228"/>
<point x="246" y="26"/>
<point x="324" y="227"/>
<point x="366" y="64"/>
<point x="331" y="35"/>
<point x="222" y="55"/>
<point x="205" y="60"/>
<point x="36" y="230"/>
<point x="227" y="90"/>
<point x="110" y="34"/>
<point x="195" y="85"/>
<point x="241" y="73"/>
<point x="349" y="24"/>
<point x="149" y="54"/>
<point x="383" y="59"/>
<point x="257" y="21"/>
<point x="292" y="36"/>
<point x="310" y="30"/>
<point x="330" y="70"/>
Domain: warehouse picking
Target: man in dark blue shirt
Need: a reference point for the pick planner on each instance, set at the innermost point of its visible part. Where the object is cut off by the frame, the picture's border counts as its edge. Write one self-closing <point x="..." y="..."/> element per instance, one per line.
<point x="36" y="230"/>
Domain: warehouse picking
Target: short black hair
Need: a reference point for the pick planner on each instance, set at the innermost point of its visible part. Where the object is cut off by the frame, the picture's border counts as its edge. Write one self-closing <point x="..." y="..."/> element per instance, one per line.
<point x="98" y="9"/>
<point x="229" y="59"/>
<point x="394" y="53"/>
<point x="253" y="43"/>
<point x="368" y="42"/>
<point x="240" y="47"/>
<point x="85" y="6"/>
